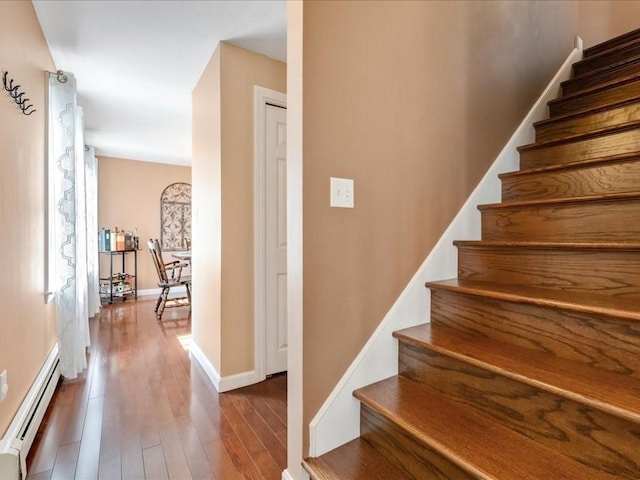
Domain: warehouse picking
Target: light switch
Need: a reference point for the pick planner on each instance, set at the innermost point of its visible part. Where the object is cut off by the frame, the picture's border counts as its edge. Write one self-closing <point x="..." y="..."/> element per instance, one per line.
<point x="4" y="386"/>
<point x="342" y="195"/>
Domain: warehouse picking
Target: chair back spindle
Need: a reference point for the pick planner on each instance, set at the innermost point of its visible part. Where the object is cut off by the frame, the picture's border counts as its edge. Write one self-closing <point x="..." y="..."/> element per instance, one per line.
<point x="158" y="261"/>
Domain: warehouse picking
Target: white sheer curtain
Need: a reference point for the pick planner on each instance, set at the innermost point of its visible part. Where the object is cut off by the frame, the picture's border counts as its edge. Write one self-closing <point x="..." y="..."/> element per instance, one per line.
<point x="93" y="265"/>
<point x="71" y="250"/>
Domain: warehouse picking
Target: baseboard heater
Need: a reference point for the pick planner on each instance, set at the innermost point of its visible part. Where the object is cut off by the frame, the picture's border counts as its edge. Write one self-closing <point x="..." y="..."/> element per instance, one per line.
<point x="15" y="445"/>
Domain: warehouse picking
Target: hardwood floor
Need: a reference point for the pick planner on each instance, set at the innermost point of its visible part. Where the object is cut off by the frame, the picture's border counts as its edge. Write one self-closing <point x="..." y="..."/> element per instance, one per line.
<point x="144" y="410"/>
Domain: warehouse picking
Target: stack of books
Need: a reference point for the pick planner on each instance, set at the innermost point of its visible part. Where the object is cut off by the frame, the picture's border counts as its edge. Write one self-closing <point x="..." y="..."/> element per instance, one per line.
<point x="116" y="240"/>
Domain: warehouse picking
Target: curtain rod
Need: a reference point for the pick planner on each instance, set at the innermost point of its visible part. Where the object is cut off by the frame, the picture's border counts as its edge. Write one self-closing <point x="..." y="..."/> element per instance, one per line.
<point x="60" y="76"/>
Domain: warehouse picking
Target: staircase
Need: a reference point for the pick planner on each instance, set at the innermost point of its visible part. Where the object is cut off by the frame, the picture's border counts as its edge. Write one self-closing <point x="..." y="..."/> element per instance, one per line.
<point x="530" y="367"/>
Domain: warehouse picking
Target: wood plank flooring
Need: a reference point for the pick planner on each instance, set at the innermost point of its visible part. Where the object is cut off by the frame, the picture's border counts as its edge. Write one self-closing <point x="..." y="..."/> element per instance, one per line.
<point x="144" y="410"/>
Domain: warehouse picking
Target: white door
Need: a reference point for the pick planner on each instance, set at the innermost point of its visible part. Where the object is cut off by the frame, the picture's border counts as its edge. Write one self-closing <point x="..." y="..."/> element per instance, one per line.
<point x="276" y="239"/>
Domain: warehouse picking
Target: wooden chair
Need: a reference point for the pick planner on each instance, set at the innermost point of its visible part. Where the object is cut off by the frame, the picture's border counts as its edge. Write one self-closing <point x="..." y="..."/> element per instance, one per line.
<point x="169" y="275"/>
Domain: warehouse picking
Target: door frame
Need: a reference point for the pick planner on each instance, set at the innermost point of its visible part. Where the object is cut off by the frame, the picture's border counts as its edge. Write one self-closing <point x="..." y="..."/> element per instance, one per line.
<point x="261" y="98"/>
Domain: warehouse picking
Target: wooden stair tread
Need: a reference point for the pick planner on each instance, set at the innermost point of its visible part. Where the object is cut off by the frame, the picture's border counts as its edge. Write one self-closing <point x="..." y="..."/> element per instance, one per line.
<point x="593" y="55"/>
<point x="472" y="441"/>
<point x="615" y="141"/>
<point x="606" y="67"/>
<point x="583" y="113"/>
<point x="611" y="84"/>
<point x="560" y="201"/>
<point x="595" y="98"/>
<point x="546" y="297"/>
<point x="549" y="245"/>
<point x="604" y="84"/>
<point x="604" y="390"/>
<point x="569" y="166"/>
<point x="355" y="460"/>
<point x="603" y="107"/>
<point x="602" y="132"/>
<point x="612" y="43"/>
<point x="599" y="71"/>
<point x="608" y="57"/>
<point x="619" y="69"/>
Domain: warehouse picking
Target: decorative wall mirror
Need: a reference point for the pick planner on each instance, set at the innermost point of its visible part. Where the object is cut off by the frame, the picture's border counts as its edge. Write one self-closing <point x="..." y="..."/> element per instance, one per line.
<point x="175" y="216"/>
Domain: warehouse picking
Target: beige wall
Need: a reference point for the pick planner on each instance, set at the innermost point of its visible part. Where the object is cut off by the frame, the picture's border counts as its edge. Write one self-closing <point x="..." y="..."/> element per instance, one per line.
<point x="27" y="325"/>
<point x="128" y="198"/>
<point x="412" y="100"/>
<point x="223" y="178"/>
<point x="240" y="70"/>
<point x="207" y="217"/>
<point x="601" y="20"/>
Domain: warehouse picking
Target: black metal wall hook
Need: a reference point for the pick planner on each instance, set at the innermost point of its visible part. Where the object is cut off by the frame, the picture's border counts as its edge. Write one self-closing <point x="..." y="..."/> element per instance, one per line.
<point x="17" y="97"/>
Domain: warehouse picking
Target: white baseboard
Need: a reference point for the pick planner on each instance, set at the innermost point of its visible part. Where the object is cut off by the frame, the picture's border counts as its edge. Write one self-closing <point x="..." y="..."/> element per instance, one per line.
<point x="156" y="291"/>
<point x="287" y="476"/>
<point x="231" y="382"/>
<point x="10" y="466"/>
<point x="206" y="365"/>
<point x="338" y="420"/>
<point x="222" y="384"/>
<point x="15" y="444"/>
<point x="148" y="292"/>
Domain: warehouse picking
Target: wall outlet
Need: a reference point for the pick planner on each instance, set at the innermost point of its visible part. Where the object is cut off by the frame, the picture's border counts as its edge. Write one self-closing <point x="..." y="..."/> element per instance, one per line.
<point x="4" y="386"/>
<point x="341" y="193"/>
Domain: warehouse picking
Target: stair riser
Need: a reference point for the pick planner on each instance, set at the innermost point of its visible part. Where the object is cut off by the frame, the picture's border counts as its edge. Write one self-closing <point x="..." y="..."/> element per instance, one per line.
<point x="595" y="179"/>
<point x="401" y="448"/>
<point x="549" y="131"/>
<point x="609" y="344"/>
<point x="576" y="84"/>
<point x="591" y="437"/>
<point x="620" y="94"/>
<point x="621" y="143"/>
<point x="629" y="37"/>
<point x="594" y="62"/>
<point x="611" y="273"/>
<point x="581" y="222"/>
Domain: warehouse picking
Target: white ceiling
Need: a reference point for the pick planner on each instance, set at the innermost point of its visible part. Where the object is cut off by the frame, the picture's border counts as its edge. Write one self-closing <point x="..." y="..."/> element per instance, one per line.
<point x="136" y="63"/>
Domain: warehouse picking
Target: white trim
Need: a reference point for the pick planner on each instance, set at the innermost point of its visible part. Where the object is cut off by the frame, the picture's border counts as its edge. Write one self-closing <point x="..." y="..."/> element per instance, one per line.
<point x="338" y="420"/>
<point x="40" y="391"/>
<point x="156" y="291"/>
<point x="209" y="369"/>
<point x="295" y="426"/>
<point x="149" y="291"/>
<point x="238" y="380"/>
<point x="32" y="396"/>
<point x="10" y="466"/>
<point x="287" y="476"/>
<point x="261" y="98"/>
<point x="221" y="384"/>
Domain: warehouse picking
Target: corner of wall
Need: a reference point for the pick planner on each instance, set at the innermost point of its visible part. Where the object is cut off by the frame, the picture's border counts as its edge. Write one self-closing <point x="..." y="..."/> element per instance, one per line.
<point x="207" y="366"/>
<point x="226" y="383"/>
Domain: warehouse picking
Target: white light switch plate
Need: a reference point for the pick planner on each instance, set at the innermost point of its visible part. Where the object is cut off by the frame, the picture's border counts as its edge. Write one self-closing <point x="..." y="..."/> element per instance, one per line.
<point x="341" y="193"/>
<point x="4" y="386"/>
